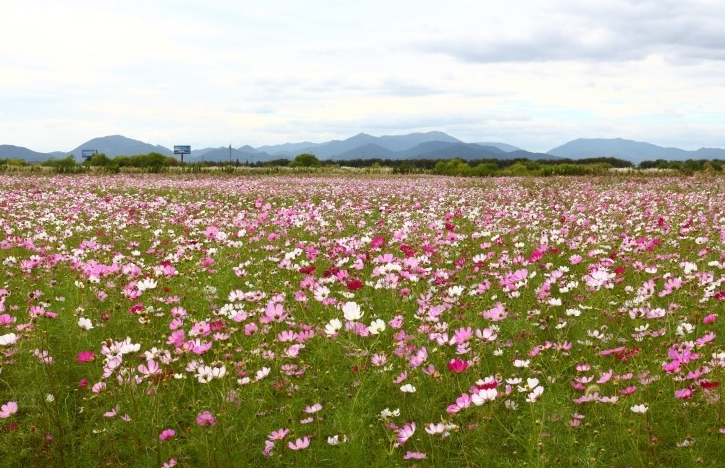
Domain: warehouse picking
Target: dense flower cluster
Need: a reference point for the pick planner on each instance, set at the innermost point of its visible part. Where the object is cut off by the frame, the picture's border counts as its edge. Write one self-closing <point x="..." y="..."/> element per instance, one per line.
<point x="288" y="315"/>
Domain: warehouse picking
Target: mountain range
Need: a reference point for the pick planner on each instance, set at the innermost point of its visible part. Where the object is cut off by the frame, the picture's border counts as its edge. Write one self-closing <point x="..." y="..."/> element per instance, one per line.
<point x="634" y="151"/>
<point x="430" y="145"/>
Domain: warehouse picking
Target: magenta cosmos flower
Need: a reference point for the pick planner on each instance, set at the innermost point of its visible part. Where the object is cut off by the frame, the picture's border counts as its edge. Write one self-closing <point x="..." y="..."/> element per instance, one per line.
<point x="457" y="365"/>
<point x="86" y="356"/>
<point x="167" y="434"/>
<point x="205" y="419"/>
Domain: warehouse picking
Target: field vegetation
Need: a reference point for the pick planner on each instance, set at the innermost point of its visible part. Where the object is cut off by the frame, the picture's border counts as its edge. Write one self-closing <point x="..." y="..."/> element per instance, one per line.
<point x="378" y="320"/>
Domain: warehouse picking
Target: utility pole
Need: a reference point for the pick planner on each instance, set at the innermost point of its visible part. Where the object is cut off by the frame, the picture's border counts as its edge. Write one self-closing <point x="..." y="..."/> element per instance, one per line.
<point x="230" y="154"/>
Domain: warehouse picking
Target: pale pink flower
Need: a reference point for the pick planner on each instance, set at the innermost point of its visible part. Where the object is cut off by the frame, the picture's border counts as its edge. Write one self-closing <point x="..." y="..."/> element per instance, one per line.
<point x="8" y="409"/>
<point x="299" y="444"/>
<point x="405" y="433"/>
<point x="150" y="368"/>
<point x="279" y="434"/>
<point x="113" y="412"/>
<point x="268" y="447"/>
<point x="313" y="409"/>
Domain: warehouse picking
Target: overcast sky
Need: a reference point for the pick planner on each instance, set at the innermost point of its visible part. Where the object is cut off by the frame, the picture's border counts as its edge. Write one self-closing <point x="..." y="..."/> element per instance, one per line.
<point x="529" y="73"/>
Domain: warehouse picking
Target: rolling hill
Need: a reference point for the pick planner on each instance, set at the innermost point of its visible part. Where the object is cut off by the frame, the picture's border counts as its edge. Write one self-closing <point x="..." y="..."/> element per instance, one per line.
<point x="19" y="152"/>
<point x="634" y="151"/>
<point x="118" y="145"/>
<point x="428" y="145"/>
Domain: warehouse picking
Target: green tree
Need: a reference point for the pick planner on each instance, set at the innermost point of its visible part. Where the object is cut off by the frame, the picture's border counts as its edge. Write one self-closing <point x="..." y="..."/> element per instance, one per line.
<point x="305" y="160"/>
<point x="65" y="165"/>
<point x="99" y="159"/>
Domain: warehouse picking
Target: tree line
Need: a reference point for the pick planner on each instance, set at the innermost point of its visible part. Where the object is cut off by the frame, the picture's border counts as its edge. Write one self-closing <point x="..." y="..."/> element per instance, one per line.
<point x="156" y="162"/>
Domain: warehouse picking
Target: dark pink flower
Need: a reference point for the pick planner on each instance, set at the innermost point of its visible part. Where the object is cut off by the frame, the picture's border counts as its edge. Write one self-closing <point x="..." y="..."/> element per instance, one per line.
<point x="457" y="365"/>
<point x="86" y="356"/>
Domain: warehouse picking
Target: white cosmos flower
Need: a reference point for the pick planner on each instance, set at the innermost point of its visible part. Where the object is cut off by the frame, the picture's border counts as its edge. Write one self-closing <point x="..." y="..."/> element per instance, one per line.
<point x="376" y="326"/>
<point x="337" y="439"/>
<point x="8" y="339"/>
<point x="352" y="311"/>
<point x="332" y="327"/>
<point x="640" y="409"/>
<point x="483" y="396"/>
<point x="433" y="429"/>
<point x="531" y="384"/>
<point x="85" y="323"/>
<point x="262" y="373"/>
<point x="147" y="283"/>
<point x="206" y="373"/>
<point x="534" y="395"/>
<point x="407" y="388"/>
<point x="455" y="291"/>
<point x="386" y="413"/>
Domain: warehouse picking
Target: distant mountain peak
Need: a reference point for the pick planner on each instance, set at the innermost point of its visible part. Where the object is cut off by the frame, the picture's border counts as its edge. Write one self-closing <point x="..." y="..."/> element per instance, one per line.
<point x="119" y="145"/>
<point x="431" y="144"/>
<point x="634" y="151"/>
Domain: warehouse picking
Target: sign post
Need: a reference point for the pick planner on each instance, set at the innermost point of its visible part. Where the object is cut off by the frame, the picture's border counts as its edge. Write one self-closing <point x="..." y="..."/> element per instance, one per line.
<point x="88" y="153"/>
<point x="182" y="150"/>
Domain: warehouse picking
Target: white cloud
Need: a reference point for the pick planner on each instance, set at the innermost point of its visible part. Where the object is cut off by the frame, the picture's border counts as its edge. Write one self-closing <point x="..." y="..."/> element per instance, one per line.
<point x="209" y="73"/>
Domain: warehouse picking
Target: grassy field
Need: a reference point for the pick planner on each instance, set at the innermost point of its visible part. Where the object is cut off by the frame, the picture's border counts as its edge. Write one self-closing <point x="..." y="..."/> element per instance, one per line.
<point x="361" y="321"/>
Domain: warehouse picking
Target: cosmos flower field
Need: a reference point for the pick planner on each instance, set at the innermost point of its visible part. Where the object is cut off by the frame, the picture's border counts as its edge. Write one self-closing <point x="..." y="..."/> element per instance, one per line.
<point x="361" y="321"/>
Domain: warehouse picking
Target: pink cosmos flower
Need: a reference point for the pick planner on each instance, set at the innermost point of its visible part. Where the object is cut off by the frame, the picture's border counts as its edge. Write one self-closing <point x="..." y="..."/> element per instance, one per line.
<point x="268" y="447"/>
<point x="705" y="339"/>
<point x="167" y="434"/>
<point x="299" y="444"/>
<point x="462" y="402"/>
<point x="6" y="320"/>
<point x="415" y="456"/>
<point x="684" y="394"/>
<point x="401" y="377"/>
<point x="113" y="412"/>
<point x="205" y="419"/>
<point x="313" y="409"/>
<point x="710" y="318"/>
<point x="150" y="368"/>
<point x="279" y="434"/>
<point x="405" y="433"/>
<point x="420" y="357"/>
<point x="8" y="409"/>
<point x="86" y="356"/>
<point x="536" y="255"/>
<point x="457" y="365"/>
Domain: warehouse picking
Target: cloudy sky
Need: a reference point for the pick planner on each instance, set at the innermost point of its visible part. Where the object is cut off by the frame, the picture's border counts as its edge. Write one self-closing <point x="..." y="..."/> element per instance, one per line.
<point x="529" y="73"/>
